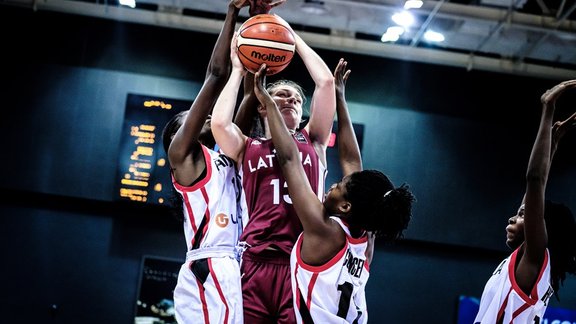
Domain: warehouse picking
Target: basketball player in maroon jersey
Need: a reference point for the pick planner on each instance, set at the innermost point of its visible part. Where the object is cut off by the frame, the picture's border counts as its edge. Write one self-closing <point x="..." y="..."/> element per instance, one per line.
<point x="273" y="226"/>
<point x="542" y="235"/>
<point x="208" y="288"/>
<point x="329" y="265"/>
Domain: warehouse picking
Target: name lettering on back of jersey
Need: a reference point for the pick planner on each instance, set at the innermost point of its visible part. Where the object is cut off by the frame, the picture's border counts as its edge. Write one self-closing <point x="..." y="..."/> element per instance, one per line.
<point x="267" y="161"/>
<point x="222" y="161"/>
<point x="353" y="264"/>
<point x="547" y="295"/>
<point x="499" y="268"/>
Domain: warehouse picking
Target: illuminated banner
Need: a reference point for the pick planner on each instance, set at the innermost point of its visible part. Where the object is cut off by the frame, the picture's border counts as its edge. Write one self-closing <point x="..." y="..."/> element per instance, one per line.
<point x="143" y="172"/>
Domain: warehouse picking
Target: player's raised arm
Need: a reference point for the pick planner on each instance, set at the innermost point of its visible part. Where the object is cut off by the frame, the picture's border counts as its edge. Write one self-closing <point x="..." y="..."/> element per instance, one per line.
<point x="323" y="103"/>
<point x="536" y="236"/>
<point x="309" y="209"/>
<point x="348" y="149"/>
<point x="184" y="152"/>
<point x="247" y="118"/>
<point x="227" y="135"/>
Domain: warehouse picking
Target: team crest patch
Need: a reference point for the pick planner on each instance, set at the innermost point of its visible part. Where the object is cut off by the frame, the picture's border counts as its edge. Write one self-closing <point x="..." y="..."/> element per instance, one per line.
<point x="300" y="138"/>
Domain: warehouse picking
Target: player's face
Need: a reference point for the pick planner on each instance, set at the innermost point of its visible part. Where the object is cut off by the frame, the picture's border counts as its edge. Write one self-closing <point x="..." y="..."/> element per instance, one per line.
<point x="205" y="136"/>
<point x="206" y="128"/>
<point x="289" y="102"/>
<point x="515" y="229"/>
<point x="335" y="196"/>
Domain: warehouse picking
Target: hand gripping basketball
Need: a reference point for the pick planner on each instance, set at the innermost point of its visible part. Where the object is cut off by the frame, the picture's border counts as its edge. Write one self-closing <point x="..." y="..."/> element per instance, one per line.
<point x="258" y="7"/>
<point x="266" y="38"/>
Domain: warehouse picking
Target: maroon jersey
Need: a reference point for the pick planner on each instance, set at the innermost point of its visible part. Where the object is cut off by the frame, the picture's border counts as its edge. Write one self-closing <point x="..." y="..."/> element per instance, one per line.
<point x="272" y="221"/>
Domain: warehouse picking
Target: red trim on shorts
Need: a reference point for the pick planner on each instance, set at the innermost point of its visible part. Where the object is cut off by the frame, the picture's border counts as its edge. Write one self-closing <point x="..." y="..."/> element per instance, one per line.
<point x="219" y="289"/>
<point x="203" y="299"/>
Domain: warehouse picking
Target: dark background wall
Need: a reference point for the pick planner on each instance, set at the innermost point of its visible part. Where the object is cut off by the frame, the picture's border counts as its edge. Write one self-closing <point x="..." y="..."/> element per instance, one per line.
<point x="72" y="253"/>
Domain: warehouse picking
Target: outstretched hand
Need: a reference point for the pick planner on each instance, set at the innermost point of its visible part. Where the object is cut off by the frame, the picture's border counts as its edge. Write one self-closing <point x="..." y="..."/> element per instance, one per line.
<point x="550" y="96"/>
<point x="261" y="93"/>
<point x="240" y="3"/>
<point x="258" y="7"/>
<point x="560" y="128"/>
<point x="341" y="75"/>
<point x="236" y="63"/>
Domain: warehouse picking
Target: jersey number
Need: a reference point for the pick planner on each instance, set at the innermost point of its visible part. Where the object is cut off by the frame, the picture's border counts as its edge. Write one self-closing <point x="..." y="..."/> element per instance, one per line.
<point x="276" y="186"/>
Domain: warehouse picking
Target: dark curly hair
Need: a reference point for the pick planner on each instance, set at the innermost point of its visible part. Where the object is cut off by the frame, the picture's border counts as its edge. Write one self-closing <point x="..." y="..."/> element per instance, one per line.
<point x="171" y="128"/>
<point x="377" y="206"/>
<point x="561" y="228"/>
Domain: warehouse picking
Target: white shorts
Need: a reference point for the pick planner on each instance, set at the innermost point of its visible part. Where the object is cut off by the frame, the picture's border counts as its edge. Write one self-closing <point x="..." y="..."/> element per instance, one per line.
<point x="217" y="300"/>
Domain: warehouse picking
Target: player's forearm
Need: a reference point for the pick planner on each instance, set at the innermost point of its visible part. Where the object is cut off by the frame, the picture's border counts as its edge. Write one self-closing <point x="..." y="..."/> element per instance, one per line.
<point x="219" y="64"/>
<point x="539" y="162"/>
<point x="247" y="110"/>
<point x="348" y="148"/>
<point x="315" y="65"/>
<point x="223" y="128"/>
<point x="286" y="150"/>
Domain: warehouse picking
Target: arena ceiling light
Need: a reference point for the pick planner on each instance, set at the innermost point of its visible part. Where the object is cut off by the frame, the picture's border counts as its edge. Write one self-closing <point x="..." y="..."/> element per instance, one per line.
<point x="128" y="3"/>
<point x="403" y="18"/>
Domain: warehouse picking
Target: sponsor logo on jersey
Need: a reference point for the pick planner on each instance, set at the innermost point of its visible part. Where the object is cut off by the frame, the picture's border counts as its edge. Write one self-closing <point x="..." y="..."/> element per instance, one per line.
<point x="221" y="220"/>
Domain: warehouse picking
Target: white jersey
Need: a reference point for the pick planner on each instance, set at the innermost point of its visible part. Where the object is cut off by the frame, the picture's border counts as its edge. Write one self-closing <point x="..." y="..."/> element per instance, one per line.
<point x="209" y="287"/>
<point x="504" y="302"/>
<point x="212" y="215"/>
<point x="333" y="292"/>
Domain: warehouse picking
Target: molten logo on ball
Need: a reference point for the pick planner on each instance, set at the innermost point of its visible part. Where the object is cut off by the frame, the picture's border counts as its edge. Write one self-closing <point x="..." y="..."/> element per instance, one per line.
<point x="268" y="57"/>
<point x="266" y="38"/>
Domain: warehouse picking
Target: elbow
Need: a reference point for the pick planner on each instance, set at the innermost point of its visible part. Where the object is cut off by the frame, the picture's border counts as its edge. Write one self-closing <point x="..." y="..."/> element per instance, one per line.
<point x="536" y="176"/>
<point x="217" y="124"/>
<point x="326" y="81"/>
<point x="285" y="160"/>
<point x="218" y="80"/>
<point x="218" y="69"/>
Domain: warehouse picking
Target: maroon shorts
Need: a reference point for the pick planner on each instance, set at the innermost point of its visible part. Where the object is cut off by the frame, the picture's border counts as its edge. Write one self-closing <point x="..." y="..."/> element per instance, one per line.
<point x="266" y="288"/>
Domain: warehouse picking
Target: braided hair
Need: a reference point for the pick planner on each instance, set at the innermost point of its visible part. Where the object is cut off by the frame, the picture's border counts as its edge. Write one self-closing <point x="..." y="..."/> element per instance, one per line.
<point x="561" y="228"/>
<point x="377" y="206"/>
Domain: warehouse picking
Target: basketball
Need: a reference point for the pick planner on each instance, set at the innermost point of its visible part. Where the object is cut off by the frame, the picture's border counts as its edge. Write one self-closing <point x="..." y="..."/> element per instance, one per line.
<point x="266" y="38"/>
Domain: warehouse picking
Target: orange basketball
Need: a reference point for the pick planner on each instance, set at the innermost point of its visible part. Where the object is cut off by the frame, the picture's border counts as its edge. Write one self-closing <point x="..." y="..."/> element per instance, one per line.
<point x="266" y="38"/>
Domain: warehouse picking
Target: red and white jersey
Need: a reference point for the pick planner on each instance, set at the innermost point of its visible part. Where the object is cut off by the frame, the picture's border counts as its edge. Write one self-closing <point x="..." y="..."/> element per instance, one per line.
<point x="504" y="302"/>
<point x="272" y="220"/>
<point x="333" y="292"/>
<point x="212" y="216"/>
